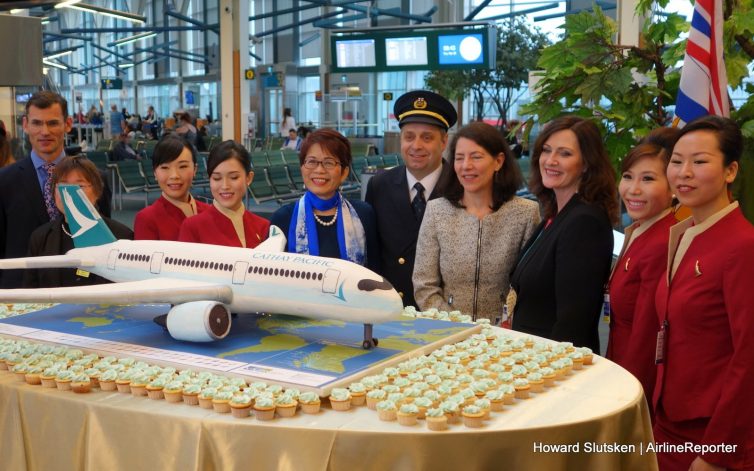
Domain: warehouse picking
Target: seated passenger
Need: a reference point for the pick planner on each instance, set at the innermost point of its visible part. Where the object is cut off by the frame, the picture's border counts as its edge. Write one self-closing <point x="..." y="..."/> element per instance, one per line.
<point x="323" y="222"/>
<point x="227" y="222"/>
<point x="123" y="149"/>
<point x="471" y="238"/>
<point x="174" y="164"/>
<point x="54" y="237"/>
<point x="292" y="142"/>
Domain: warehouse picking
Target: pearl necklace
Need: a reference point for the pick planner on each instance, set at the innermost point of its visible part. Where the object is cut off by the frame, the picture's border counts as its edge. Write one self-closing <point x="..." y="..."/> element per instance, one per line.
<point x="329" y="223"/>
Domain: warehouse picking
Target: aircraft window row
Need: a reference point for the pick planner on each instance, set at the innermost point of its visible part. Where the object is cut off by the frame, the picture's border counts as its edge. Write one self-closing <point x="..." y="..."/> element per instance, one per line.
<point x="133" y="257"/>
<point x="183" y="262"/>
<point x="304" y="275"/>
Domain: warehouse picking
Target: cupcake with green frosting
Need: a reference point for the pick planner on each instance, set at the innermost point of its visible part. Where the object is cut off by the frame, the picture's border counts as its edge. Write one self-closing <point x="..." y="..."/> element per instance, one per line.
<point x="436" y="419"/>
<point x="473" y="416"/>
<point x="374" y="396"/>
<point x="221" y="402"/>
<point x="33" y="375"/>
<point x="190" y="393"/>
<point x="451" y="411"/>
<point x="63" y="380"/>
<point x="310" y="402"/>
<point x="340" y="399"/>
<point x="48" y="376"/>
<point x="358" y="394"/>
<point x="285" y="405"/>
<point x="496" y="398"/>
<point x="139" y="384"/>
<point x="81" y="383"/>
<point x="407" y="414"/>
<point x="387" y="410"/>
<point x="264" y="407"/>
<point x="156" y="387"/>
<point x="205" y="397"/>
<point x="423" y="404"/>
<point x="240" y="406"/>
<point x="173" y="391"/>
<point x="522" y="388"/>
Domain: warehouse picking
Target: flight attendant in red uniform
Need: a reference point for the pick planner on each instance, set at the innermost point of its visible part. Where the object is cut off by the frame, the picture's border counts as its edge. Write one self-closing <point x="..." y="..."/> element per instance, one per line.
<point x="227" y="222"/>
<point x="705" y="306"/>
<point x="633" y="320"/>
<point x="174" y="164"/>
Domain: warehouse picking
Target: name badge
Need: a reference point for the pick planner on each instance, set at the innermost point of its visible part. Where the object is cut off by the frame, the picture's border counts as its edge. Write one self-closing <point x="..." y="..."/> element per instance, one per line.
<point x="606" y="308"/>
<point x="83" y="273"/>
<point x="660" y="346"/>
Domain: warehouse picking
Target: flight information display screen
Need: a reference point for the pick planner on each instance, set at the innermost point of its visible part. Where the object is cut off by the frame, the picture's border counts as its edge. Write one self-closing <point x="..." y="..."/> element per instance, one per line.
<point x="460" y="49"/>
<point x="355" y="53"/>
<point x="406" y="51"/>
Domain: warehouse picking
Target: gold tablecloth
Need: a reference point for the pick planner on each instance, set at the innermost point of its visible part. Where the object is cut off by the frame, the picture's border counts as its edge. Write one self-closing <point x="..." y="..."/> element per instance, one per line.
<point x="45" y="429"/>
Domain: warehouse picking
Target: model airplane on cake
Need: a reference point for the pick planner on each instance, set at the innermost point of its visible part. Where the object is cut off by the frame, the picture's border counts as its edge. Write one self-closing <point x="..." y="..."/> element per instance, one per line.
<point x="206" y="283"/>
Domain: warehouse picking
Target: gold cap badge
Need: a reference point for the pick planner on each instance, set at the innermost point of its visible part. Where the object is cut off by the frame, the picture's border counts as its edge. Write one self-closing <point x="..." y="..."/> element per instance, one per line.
<point x="420" y="103"/>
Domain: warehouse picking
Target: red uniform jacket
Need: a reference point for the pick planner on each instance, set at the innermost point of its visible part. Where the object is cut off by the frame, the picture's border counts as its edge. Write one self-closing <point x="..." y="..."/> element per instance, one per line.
<point x="708" y="372"/>
<point x="633" y="319"/>
<point x="161" y="220"/>
<point x="213" y="227"/>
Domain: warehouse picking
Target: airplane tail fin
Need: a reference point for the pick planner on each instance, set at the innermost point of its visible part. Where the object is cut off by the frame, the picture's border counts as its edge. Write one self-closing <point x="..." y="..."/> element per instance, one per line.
<point x="275" y="241"/>
<point x="87" y="226"/>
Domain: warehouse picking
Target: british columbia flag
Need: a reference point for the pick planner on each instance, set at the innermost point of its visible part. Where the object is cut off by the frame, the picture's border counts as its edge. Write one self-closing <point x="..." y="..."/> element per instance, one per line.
<point x="704" y="83"/>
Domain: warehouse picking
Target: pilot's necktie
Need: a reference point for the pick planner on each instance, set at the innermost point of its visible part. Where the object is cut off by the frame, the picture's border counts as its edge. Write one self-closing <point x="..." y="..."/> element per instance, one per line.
<point x="48" y="194"/>
<point x="419" y="203"/>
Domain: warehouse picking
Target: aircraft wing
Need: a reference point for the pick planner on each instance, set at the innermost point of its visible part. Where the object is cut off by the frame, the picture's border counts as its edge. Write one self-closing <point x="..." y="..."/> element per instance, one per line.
<point x="50" y="261"/>
<point x="161" y="290"/>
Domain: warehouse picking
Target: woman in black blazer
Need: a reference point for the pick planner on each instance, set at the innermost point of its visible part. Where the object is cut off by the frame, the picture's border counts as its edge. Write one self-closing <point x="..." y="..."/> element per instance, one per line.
<point x="560" y="277"/>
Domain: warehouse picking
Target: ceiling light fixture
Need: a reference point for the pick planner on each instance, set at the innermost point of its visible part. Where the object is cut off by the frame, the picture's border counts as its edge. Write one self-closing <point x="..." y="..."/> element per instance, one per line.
<point x="131" y="39"/>
<point x="121" y="15"/>
<point x="55" y="55"/>
<point x="66" y="3"/>
<point x="54" y="64"/>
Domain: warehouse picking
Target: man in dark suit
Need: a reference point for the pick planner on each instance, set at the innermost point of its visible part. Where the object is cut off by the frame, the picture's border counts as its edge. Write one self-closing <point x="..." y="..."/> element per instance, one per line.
<point x="26" y="200"/>
<point x="399" y="195"/>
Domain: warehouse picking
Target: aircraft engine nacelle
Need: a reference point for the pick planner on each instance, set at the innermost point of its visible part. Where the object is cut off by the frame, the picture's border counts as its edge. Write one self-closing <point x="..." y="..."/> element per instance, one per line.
<point x="199" y="321"/>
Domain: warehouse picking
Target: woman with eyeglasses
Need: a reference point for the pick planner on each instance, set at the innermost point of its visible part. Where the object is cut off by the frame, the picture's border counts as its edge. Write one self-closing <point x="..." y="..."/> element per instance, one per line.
<point x="227" y="222"/>
<point x="54" y="237"/>
<point x="322" y="222"/>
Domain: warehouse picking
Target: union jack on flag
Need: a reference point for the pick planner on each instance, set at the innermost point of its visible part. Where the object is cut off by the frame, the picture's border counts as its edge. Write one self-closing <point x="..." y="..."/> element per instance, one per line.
<point x="704" y="83"/>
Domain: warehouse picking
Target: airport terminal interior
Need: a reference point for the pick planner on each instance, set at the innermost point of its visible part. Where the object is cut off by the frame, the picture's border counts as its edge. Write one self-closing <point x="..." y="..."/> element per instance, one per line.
<point x="184" y="363"/>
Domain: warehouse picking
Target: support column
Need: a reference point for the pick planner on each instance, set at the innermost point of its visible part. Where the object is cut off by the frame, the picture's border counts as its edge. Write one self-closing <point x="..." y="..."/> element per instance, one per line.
<point x="234" y="58"/>
<point x="629" y="25"/>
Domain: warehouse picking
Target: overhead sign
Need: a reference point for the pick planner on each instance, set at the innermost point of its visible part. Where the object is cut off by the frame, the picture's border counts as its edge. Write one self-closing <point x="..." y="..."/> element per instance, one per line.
<point x="465" y="47"/>
<point x="387" y="96"/>
<point x="112" y="83"/>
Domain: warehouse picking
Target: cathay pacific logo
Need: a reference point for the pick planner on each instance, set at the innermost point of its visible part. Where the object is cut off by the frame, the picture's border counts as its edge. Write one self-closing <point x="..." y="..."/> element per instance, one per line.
<point x="84" y="222"/>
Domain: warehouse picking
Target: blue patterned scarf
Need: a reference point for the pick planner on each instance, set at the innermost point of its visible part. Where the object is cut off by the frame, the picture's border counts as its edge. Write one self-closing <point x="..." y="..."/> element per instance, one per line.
<point x="302" y="233"/>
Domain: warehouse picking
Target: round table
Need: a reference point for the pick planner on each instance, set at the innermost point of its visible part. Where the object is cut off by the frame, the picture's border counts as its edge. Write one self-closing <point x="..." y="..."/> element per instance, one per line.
<point x="599" y="411"/>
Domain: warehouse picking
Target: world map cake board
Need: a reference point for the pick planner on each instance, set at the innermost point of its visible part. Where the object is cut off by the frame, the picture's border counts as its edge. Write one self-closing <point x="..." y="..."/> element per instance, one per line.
<point x="291" y="351"/>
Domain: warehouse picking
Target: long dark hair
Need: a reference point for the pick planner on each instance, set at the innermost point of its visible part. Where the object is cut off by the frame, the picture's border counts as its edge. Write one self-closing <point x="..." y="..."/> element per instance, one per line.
<point x="597" y="185"/>
<point x="506" y="181"/>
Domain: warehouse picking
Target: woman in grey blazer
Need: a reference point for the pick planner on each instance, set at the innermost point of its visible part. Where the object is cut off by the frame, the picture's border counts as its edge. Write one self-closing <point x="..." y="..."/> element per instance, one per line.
<point x="470" y="238"/>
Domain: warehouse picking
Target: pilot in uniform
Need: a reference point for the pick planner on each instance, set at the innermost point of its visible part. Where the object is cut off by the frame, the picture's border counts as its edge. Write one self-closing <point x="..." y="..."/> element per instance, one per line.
<point x="399" y="195"/>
